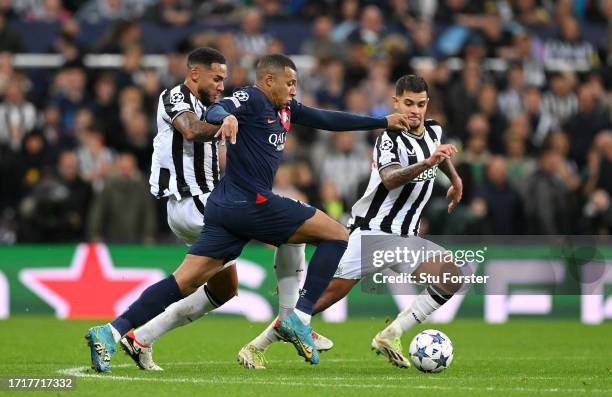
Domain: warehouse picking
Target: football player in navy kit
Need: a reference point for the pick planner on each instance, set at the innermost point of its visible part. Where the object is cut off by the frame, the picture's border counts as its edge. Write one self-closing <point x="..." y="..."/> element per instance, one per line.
<point x="243" y="206"/>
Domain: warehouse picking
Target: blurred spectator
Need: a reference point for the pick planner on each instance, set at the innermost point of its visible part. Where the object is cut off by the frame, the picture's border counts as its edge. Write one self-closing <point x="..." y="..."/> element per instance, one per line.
<point x="487" y="106"/>
<point x="177" y="66"/>
<point x="476" y="156"/>
<point x="305" y="182"/>
<point x="95" y="11"/>
<point x="55" y="211"/>
<point x="7" y="72"/>
<point x="104" y="105"/>
<point x="509" y="100"/>
<point x="600" y="165"/>
<point x="584" y="125"/>
<point x="518" y="163"/>
<point x="50" y="11"/>
<point x="138" y="141"/>
<point x="331" y="203"/>
<point x="123" y="211"/>
<point x="547" y="206"/>
<point x="321" y="44"/>
<point x="598" y="214"/>
<point x="122" y="36"/>
<point x="17" y="116"/>
<point x="95" y="159"/>
<point x="370" y="30"/>
<point x="561" y="101"/>
<point x="526" y="50"/>
<point x="462" y="98"/>
<point x="345" y="164"/>
<point x="10" y="40"/>
<point x="504" y="206"/>
<point x="570" y="49"/>
<point x="35" y="159"/>
<point x="170" y="12"/>
<point x="529" y="12"/>
<point x="331" y="93"/>
<point x="252" y="40"/>
<point x="349" y="11"/>
<point x="70" y="95"/>
<point x="421" y="34"/>
<point x="567" y="169"/>
<point x="284" y="185"/>
<point x="542" y="123"/>
<point x="379" y="89"/>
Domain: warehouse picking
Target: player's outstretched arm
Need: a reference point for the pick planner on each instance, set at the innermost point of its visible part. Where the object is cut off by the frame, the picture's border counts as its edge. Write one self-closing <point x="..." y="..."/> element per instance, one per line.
<point x="455" y="192"/>
<point x="217" y="114"/>
<point x="344" y="121"/>
<point x="193" y="129"/>
<point x="394" y="176"/>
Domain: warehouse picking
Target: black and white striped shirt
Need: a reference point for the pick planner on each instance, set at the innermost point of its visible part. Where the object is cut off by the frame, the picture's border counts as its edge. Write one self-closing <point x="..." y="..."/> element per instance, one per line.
<point x="179" y="167"/>
<point x="398" y="211"/>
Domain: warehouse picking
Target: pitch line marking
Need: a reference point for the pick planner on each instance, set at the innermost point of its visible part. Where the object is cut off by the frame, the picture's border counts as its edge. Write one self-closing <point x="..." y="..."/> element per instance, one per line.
<point x="78" y="372"/>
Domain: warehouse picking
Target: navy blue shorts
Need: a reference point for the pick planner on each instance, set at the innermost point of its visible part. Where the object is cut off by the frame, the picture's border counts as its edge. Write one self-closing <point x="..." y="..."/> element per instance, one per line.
<point x="227" y="230"/>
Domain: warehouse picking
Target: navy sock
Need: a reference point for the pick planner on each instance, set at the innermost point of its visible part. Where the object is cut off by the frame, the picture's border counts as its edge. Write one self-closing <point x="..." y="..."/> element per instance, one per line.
<point x="151" y="302"/>
<point x="321" y="269"/>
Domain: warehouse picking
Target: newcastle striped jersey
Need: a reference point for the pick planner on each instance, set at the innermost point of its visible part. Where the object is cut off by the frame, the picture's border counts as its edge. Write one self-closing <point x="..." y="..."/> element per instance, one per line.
<point x="181" y="168"/>
<point x="398" y="211"/>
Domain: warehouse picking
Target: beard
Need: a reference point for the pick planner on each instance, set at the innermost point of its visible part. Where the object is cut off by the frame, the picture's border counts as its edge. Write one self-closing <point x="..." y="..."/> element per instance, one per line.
<point x="206" y="98"/>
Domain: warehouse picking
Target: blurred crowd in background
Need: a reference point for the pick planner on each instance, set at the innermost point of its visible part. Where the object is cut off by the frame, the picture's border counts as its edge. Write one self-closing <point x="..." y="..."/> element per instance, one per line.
<point x="522" y="87"/>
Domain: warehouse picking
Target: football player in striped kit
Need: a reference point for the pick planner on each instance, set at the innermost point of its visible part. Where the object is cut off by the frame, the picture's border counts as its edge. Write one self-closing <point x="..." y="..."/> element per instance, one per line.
<point x="401" y="182"/>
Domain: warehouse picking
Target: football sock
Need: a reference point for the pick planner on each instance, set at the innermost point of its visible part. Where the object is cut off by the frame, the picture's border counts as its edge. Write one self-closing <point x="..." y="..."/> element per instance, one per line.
<point x="178" y="314"/>
<point x="321" y="269"/>
<point x="289" y="263"/>
<point x="422" y="307"/>
<point x="266" y="338"/>
<point x="151" y="302"/>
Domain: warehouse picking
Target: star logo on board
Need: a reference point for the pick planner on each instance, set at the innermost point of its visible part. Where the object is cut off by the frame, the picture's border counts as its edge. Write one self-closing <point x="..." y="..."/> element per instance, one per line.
<point x="91" y="288"/>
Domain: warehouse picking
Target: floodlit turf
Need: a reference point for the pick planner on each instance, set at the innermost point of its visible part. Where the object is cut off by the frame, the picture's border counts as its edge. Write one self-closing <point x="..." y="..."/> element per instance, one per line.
<point x="522" y="358"/>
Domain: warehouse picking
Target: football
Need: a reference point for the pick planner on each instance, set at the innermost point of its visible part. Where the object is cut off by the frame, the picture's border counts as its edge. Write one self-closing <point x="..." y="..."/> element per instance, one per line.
<point x="431" y="351"/>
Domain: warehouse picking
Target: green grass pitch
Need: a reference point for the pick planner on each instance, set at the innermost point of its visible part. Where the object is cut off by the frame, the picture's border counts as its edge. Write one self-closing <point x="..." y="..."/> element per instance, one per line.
<point x="519" y="358"/>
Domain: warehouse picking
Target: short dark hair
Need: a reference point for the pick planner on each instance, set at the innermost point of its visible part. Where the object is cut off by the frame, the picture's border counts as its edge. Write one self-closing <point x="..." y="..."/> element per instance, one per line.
<point x="411" y="83"/>
<point x="205" y="56"/>
<point x="274" y="61"/>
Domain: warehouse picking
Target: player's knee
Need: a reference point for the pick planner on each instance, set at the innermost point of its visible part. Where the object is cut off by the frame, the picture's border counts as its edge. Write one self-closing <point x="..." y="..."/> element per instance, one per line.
<point x="224" y="285"/>
<point x="223" y="293"/>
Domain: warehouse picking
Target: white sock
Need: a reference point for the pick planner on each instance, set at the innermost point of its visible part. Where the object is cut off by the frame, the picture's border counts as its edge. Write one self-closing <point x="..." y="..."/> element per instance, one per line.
<point x="419" y="311"/>
<point x="304" y="317"/>
<point x="116" y="334"/>
<point x="266" y="338"/>
<point x="289" y="263"/>
<point x="176" y="315"/>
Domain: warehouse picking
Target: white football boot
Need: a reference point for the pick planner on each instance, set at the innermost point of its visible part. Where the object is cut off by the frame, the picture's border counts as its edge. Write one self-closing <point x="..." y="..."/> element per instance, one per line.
<point x="142" y="355"/>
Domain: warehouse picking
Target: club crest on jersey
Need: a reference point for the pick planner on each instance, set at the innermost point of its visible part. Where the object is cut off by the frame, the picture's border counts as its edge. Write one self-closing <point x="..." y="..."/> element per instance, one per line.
<point x="285" y="117"/>
<point x="242" y="96"/>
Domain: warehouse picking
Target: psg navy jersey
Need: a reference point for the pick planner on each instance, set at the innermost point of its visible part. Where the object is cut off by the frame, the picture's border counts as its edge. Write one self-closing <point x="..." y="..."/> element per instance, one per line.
<point x="252" y="162"/>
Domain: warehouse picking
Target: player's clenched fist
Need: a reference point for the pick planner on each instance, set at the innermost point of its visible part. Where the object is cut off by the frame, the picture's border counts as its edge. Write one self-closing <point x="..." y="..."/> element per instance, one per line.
<point x="442" y="153"/>
<point x="228" y="130"/>
<point x="397" y="121"/>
